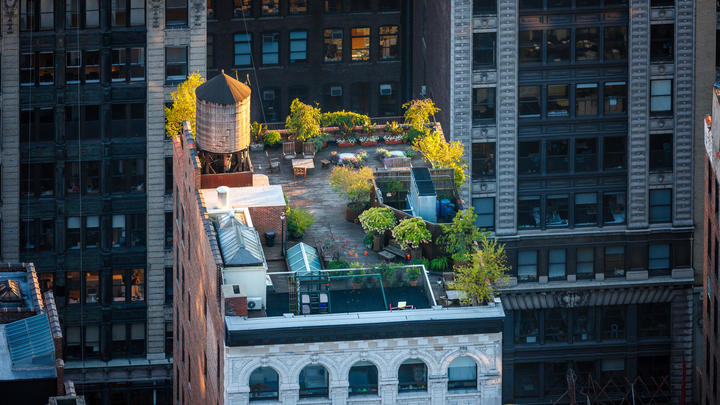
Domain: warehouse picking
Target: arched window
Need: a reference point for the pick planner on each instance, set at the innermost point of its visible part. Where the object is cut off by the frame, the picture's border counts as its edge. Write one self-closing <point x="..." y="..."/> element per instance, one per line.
<point x="263" y="384"/>
<point x="313" y="382"/>
<point x="412" y="376"/>
<point x="462" y="374"/>
<point x="363" y="379"/>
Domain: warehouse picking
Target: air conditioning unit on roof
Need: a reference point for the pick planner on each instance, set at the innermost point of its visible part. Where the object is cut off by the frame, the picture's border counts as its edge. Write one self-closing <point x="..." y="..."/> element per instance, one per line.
<point x="254" y="303"/>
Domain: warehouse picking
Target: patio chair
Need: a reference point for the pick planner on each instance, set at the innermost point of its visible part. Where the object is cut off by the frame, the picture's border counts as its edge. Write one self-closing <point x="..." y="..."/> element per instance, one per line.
<point x="288" y="150"/>
<point x="309" y="150"/>
<point x="273" y="163"/>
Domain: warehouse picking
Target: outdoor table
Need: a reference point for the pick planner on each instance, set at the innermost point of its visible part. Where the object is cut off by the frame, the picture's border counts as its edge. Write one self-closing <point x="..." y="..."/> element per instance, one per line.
<point x="300" y="166"/>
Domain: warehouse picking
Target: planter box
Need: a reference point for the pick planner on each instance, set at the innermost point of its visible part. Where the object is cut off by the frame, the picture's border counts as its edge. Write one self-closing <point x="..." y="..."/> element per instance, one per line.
<point x="343" y="144"/>
<point x="372" y="143"/>
<point x="394" y="142"/>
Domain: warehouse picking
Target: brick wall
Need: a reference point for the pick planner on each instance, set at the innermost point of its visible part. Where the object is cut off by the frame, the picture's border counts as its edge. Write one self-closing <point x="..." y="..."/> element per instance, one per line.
<point x="711" y="237"/>
<point x="240" y="179"/>
<point x="266" y="219"/>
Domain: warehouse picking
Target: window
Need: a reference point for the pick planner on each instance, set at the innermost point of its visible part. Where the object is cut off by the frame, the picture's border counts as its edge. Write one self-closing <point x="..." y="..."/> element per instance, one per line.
<point x="92" y="287"/>
<point x="485" y="210"/>
<point x="389" y="5"/>
<point x="659" y="257"/>
<point x="243" y="49"/>
<point x="73" y="235"/>
<point x="527" y="380"/>
<point x="363" y="379"/>
<point x="168" y="230"/>
<point x="169" y="285"/>
<point x="530" y="46"/>
<point x="73" y="348"/>
<point x="314" y="382"/>
<point x="127" y="120"/>
<point x="614" y="208"/>
<point x="483" y="107"/>
<point x="83" y="228"/>
<point x="462" y="374"/>
<point x="360" y="98"/>
<point x="654" y="320"/>
<point x="584" y="324"/>
<point x="557" y="212"/>
<point x="122" y="8"/>
<point x="128" y="64"/>
<point x="615" y="261"/>
<point x="526" y="326"/>
<point x="92" y="341"/>
<point x="555" y="378"/>
<point x="128" y="175"/>
<point x="662" y="40"/>
<point x="27" y="69"/>
<point x="47" y="281"/>
<point x="556" y="264"/>
<point x="557" y="159"/>
<point x="168" y="175"/>
<point x="134" y="278"/>
<point x="612" y="370"/>
<point x="333" y="6"/>
<point x="176" y="12"/>
<point x="612" y="322"/>
<point x="360" y="42"/>
<point x="300" y="93"/>
<point x="82" y="14"/>
<point x="271" y="104"/>
<point x="270" y="7"/>
<point x="614" y="153"/>
<point x="585" y="263"/>
<point x="169" y="339"/>
<point x="175" y="63"/>
<point x="528" y="212"/>
<point x="615" y="43"/>
<point x="37" y="69"/>
<point x="128" y="339"/>
<point x="37" y="236"/>
<point x="615" y="97"/>
<point x="298" y="6"/>
<point x="412" y="376"/>
<point x="128" y="230"/>
<point x="587" y="44"/>
<point x="483" y="160"/>
<point x="333" y="45"/>
<point x="558" y="46"/>
<point x="660" y="205"/>
<point x="484" y="44"/>
<point x="263" y="384"/>
<point x="210" y="10"/>
<point x="270" y="48"/>
<point x="662" y="3"/>
<point x="82" y="177"/>
<point x="661" y="97"/>
<point x="483" y="7"/>
<point x="37" y="180"/>
<point x="527" y="265"/>
<point x="529" y="157"/>
<point x="73" y="66"/>
<point x="91" y="65"/>
<point x="556" y="325"/>
<point x="36" y="15"/>
<point x="529" y="99"/>
<point x="388" y="100"/>
<point x="37" y="125"/>
<point x="298" y="46"/>
<point x="558" y="101"/>
<point x="586" y="99"/>
<point x="586" y="155"/>
<point x="661" y="152"/>
<point x="82" y="122"/>
<point x="242" y="8"/>
<point x="586" y="209"/>
<point x="388" y="42"/>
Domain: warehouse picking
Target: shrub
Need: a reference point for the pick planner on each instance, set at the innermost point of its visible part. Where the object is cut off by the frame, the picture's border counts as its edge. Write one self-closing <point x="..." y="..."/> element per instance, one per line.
<point x="382" y="153"/>
<point x="273" y="138"/>
<point x="461" y="237"/>
<point x="486" y="269"/>
<point x="425" y="262"/>
<point x="258" y="132"/>
<point x="411" y="232"/>
<point x="394" y="128"/>
<point x="345" y="120"/>
<point x="183" y="106"/>
<point x="418" y="112"/>
<point x="440" y="264"/>
<point x="303" y="121"/>
<point x="409" y="153"/>
<point x="440" y="153"/>
<point x="377" y="220"/>
<point x="353" y="184"/>
<point x="337" y="264"/>
<point x="298" y="221"/>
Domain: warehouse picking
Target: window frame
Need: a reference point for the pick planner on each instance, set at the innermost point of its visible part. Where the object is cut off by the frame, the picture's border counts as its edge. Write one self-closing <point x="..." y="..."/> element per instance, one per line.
<point x="240" y="41"/>
<point x="330" y="39"/>
<point x="173" y="64"/>
<point x="388" y="42"/>
<point x="297" y="42"/>
<point x="362" y="34"/>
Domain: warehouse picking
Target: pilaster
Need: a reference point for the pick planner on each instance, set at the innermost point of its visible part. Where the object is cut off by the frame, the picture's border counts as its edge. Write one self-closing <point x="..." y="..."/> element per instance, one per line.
<point x="388" y="391"/>
<point x="338" y="394"/>
<point x="461" y="81"/>
<point x="437" y="387"/>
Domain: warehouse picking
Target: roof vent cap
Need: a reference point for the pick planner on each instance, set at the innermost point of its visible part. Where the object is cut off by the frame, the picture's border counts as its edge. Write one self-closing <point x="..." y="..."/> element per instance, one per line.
<point x="223" y="201"/>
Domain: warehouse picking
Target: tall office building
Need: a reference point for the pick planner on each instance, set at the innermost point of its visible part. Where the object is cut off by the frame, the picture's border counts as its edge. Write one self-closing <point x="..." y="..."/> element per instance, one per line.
<point x="579" y="124"/>
<point x="85" y="190"/>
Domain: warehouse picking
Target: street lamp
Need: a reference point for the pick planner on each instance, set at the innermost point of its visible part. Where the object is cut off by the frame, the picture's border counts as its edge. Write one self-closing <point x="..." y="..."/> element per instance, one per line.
<point x="282" y="233"/>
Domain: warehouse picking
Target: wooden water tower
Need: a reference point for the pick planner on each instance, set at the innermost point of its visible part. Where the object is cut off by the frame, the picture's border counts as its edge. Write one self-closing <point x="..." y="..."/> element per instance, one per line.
<point x="223" y="125"/>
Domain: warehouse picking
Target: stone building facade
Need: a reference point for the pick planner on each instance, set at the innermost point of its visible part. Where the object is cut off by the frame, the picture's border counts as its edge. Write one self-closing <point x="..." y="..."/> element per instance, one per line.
<point x="85" y="186"/>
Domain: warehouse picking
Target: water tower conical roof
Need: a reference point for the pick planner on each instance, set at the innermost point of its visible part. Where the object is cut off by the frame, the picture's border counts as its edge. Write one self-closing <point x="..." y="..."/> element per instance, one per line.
<point x="222" y="89"/>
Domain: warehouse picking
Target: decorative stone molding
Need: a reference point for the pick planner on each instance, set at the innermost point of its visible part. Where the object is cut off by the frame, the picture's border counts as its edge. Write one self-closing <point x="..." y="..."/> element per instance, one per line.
<point x="156" y="13"/>
<point x="9" y="10"/>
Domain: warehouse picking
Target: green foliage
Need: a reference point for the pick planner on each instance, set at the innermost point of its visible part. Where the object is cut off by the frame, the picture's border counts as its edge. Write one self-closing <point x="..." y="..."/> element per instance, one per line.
<point x="487" y="268"/>
<point x="411" y="232"/>
<point x="413" y="273"/>
<point x="337" y="264"/>
<point x="461" y="237"/>
<point x="440" y="153"/>
<point x="353" y="184"/>
<point x="183" y="106"/>
<point x="258" y="132"/>
<point x="414" y="133"/>
<point x="346" y="119"/>
<point x="418" y="113"/>
<point x="298" y="220"/>
<point x="440" y="264"/>
<point x="273" y="138"/>
<point x="394" y="128"/>
<point x="425" y="262"/>
<point x="369" y="128"/>
<point x="377" y="220"/>
<point x="303" y="121"/>
<point x="382" y="153"/>
<point x="410" y="153"/>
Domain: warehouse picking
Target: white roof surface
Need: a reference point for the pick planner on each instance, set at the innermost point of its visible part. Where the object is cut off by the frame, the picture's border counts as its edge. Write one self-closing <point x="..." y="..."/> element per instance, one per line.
<point x="246" y="197"/>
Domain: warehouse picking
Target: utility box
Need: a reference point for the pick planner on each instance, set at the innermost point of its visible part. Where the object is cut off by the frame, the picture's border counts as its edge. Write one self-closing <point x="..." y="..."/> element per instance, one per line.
<point x="422" y="197"/>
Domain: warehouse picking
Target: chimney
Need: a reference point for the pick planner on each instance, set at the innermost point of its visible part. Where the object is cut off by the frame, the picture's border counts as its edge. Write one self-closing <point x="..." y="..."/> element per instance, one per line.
<point x="223" y="192"/>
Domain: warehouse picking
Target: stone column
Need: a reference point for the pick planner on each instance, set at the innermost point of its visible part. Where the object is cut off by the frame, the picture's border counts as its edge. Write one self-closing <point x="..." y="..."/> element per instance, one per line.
<point x="638" y="99"/>
<point x="289" y="394"/>
<point x="338" y="394"/>
<point x="437" y="388"/>
<point x="9" y="251"/>
<point x="461" y="81"/>
<point x="491" y="390"/>
<point x="505" y="211"/>
<point x="388" y="391"/>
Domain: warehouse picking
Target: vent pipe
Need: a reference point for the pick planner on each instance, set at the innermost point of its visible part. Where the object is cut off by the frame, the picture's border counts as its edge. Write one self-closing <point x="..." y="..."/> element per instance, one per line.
<point x="223" y="201"/>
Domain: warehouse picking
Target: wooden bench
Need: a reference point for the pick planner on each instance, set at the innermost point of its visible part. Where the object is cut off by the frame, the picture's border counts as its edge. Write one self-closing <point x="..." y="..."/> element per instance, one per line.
<point x="386" y="255"/>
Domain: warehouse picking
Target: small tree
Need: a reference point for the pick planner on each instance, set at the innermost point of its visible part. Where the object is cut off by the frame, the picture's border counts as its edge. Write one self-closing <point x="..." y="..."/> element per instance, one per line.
<point x="303" y="121"/>
<point x="440" y="153"/>
<point x="461" y="237"/>
<point x="353" y="184"/>
<point x="418" y="113"/>
<point x="411" y="233"/>
<point x="486" y="269"/>
<point x="183" y="106"/>
<point x="377" y="220"/>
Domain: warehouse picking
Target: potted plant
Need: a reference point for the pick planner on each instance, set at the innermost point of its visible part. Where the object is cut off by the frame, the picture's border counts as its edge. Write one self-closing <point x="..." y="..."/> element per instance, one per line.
<point x="298" y="221"/>
<point x="353" y="184"/>
<point x="346" y="141"/>
<point x="273" y="138"/>
<point x="413" y="274"/>
<point x="410" y="233"/>
<point x="258" y="133"/>
<point x="486" y="268"/>
<point x="393" y="133"/>
<point x="368" y="140"/>
<point x="375" y="221"/>
<point x="303" y="121"/>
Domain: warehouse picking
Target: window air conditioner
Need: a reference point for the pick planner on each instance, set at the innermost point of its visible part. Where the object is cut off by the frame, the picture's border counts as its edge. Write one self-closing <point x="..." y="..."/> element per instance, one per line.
<point x="336" y="91"/>
<point x="385" y="90"/>
<point x="254" y="303"/>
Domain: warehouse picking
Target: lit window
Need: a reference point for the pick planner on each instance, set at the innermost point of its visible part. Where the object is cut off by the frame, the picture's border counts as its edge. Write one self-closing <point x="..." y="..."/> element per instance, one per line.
<point x="615" y="97"/>
<point x="242" y="8"/>
<point x="270" y="7"/>
<point x="333" y="6"/>
<point x="360" y="44"/>
<point x="92" y="287"/>
<point x="587" y="46"/>
<point x="298" y="6"/>
<point x="586" y="99"/>
<point x="210" y="10"/>
<point x="72" y="286"/>
<point x="389" y="40"/>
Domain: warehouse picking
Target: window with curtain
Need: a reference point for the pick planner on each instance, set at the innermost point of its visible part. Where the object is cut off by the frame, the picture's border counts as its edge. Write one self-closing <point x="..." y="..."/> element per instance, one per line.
<point x="363" y="379"/>
<point x="462" y="374"/>
<point x="585" y="263"/>
<point x="527" y="265"/>
<point x="314" y="382"/>
<point x="360" y="41"/>
<point x="661" y="97"/>
<point x="412" y="376"/>
<point x="556" y="264"/>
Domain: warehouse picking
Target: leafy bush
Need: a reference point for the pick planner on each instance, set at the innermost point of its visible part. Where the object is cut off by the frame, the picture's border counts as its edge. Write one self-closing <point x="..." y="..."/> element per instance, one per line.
<point x="382" y="153"/>
<point x="411" y="232"/>
<point x="377" y="220"/>
<point x="345" y="120"/>
<point x="258" y="132"/>
<point x="298" y="221"/>
<point x="418" y="112"/>
<point x="273" y="138"/>
<point x="486" y="269"/>
<point x="353" y="184"/>
<point x="440" y="153"/>
<point x="303" y="121"/>
<point x="440" y="264"/>
<point x="461" y="237"/>
<point x="425" y="262"/>
<point x="337" y="264"/>
<point x="413" y="273"/>
<point x="409" y="153"/>
<point x="183" y="106"/>
<point x="394" y="128"/>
